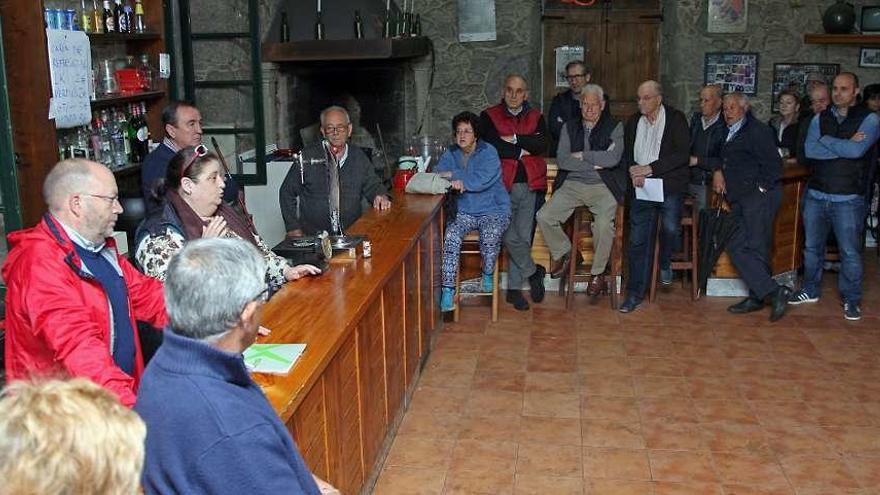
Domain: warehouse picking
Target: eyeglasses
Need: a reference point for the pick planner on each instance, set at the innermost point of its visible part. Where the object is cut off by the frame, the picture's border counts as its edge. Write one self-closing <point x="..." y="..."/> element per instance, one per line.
<point x="110" y="199"/>
<point x="199" y="151"/>
<point x="335" y="129"/>
<point x="575" y="76"/>
<point x="463" y="132"/>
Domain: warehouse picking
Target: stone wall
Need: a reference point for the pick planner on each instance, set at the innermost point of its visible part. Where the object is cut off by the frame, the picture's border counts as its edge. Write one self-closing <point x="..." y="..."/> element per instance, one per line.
<point x="775" y="31"/>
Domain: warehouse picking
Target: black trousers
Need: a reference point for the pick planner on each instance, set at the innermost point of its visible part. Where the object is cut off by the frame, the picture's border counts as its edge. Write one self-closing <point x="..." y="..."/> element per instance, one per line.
<point x="749" y="249"/>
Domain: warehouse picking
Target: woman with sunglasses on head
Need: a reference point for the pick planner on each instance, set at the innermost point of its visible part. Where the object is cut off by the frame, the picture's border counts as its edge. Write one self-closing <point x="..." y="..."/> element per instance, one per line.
<point x="193" y="208"/>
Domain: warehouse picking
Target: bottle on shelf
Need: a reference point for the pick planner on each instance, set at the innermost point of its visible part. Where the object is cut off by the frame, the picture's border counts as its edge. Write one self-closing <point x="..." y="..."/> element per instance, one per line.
<point x="120" y="17"/>
<point x="388" y="29"/>
<point x="129" y="16"/>
<point x="319" y="27"/>
<point x="138" y="133"/>
<point x="95" y="139"/>
<point x="97" y="17"/>
<point x="417" y="26"/>
<point x="108" y="19"/>
<point x="147" y="73"/>
<point x="122" y="122"/>
<point x="106" y="139"/>
<point x="285" y="28"/>
<point x="85" y="18"/>
<point x="358" y="25"/>
<point x="140" y="22"/>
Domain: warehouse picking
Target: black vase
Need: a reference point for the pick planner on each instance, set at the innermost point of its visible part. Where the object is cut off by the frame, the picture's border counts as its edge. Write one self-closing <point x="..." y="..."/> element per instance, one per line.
<point x="839" y="18"/>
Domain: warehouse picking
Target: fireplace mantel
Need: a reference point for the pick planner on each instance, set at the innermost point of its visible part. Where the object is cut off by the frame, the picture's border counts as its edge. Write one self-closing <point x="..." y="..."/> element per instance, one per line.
<point x="338" y="50"/>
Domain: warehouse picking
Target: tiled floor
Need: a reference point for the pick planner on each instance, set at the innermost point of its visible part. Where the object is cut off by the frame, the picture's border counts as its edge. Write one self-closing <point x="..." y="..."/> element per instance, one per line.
<point x="676" y="398"/>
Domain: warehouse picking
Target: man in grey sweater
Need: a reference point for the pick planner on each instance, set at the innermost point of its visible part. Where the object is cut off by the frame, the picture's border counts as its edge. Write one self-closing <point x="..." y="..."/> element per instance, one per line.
<point x="589" y="151"/>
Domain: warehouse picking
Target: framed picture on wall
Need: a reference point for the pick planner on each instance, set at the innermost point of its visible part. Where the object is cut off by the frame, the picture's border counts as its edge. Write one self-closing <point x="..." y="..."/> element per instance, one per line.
<point x="869" y="57"/>
<point x="734" y="71"/>
<point x="795" y="76"/>
<point x="727" y="16"/>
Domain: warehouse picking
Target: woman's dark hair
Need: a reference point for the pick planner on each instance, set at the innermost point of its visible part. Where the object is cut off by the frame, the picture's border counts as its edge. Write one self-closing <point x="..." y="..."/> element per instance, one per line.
<point x="186" y="156"/>
<point x="871" y="91"/>
<point x="466" y="118"/>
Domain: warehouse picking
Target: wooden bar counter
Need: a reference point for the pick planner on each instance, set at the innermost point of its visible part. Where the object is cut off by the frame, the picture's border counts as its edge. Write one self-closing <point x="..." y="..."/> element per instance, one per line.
<point x="367" y="324"/>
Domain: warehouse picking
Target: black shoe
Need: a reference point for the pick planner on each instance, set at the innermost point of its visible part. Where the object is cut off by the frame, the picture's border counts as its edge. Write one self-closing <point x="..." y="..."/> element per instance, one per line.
<point x="779" y="302"/>
<point x="747" y="305"/>
<point x="630" y="304"/>
<point x="516" y="298"/>
<point x="536" y="284"/>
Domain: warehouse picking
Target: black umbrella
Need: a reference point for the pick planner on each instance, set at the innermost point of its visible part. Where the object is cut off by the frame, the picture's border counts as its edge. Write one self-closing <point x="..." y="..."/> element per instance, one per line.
<point x="716" y="229"/>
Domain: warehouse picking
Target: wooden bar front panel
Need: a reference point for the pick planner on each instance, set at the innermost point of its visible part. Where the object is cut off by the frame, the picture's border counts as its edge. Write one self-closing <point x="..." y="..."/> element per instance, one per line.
<point x="411" y="315"/>
<point x="343" y="418"/>
<point x="371" y="365"/>
<point x="309" y="429"/>
<point x="395" y="342"/>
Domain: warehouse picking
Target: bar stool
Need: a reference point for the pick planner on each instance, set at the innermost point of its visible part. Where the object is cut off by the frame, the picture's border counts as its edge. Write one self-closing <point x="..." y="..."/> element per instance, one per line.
<point x="580" y="224"/>
<point x="471" y="245"/>
<point x="685" y="260"/>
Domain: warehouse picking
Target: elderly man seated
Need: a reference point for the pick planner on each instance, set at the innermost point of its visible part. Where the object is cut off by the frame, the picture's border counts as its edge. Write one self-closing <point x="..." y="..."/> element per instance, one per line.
<point x="210" y="429"/>
<point x="589" y="152"/>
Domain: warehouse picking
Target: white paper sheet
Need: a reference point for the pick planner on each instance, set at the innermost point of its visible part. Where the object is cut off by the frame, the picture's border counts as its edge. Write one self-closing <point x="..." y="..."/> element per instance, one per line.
<point x="653" y="190"/>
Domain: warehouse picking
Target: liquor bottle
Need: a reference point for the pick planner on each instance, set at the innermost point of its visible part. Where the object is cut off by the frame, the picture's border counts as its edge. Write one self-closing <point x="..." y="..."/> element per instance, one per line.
<point x="120" y="17"/>
<point x="138" y="134"/>
<point x="85" y="18"/>
<point x="97" y="17"/>
<point x="319" y="27"/>
<point x="129" y="16"/>
<point x="147" y="72"/>
<point x="122" y="122"/>
<point x="358" y="25"/>
<point x="106" y="140"/>
<point x="285" y="28"/>
<point x="95" y="140"/>
<point x="140" y="22"/>
<point x="417" y="26"/>
<point x="108" y="19"/>
<point x="388" y="28"/>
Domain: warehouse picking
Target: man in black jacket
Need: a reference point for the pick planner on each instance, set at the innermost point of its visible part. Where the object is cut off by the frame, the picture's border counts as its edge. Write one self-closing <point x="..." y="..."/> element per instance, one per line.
<point x="657" y="146"/>
<point x="749" y="175"/>
<point x="566" y="105"/>
<point x="707" y="135"/>
<point x="305" y="199"/>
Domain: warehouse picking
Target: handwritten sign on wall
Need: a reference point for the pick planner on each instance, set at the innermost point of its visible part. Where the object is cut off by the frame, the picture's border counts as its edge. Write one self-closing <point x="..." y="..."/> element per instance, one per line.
<point x="70" y="69"/>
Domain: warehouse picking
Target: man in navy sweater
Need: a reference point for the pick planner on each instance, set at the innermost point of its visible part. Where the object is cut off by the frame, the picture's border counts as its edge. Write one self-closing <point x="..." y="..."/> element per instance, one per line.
<point x="182" y="123"/>
<point x="210" y="429"/>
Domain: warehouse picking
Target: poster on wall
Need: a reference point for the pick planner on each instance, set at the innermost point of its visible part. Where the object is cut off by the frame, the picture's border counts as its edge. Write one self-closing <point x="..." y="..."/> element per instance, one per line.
<point x="70" y="72"/>
<point x="564" y="55"/>
<point x="733" y="71"/>
<point x="728" y="16"/>
<point x="794" y="77"/>
<point x="476" y="20"/>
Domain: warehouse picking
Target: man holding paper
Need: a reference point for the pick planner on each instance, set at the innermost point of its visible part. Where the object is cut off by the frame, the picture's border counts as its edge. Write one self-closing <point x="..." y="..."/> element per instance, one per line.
<point x="657" y="151"/>
<point x="589" y="152"/>
<point x="210" y="429"/>
<point x="750" y="174"/>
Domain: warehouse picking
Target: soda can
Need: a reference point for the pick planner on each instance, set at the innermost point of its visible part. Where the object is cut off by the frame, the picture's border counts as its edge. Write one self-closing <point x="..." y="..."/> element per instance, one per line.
<point x="60" y="19"/>
<point x="70" y="19"/>
<point x="368" y="249"/>
<point x="51" y="18"/>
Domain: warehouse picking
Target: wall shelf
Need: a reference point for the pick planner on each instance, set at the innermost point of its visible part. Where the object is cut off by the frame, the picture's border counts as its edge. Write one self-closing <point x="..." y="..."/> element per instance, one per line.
<point x="333" y="50"/>
<point x="96" y="38"/>
<point x="842" y="39"/>
<point x="109" y="101"/>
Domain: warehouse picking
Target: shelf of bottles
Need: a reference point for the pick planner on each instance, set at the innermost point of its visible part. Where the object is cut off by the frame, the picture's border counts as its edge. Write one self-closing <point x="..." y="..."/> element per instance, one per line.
<point x="117" y="136"/>
<point x="99" y="18"/>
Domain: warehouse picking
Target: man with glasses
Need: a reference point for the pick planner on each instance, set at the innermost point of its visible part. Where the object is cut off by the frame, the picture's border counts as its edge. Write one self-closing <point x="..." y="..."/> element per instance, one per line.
<point x="566" y="106"/>
<point x="305" y="198"/>
<point x="197" y="387"/>
<point x="72" y="300"/>
<point x="519" y="133"/>
<point x="182" y="123"/>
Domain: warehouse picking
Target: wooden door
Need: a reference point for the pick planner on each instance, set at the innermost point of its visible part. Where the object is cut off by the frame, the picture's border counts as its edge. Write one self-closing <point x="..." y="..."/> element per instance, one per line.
<point x="621" y="42"/>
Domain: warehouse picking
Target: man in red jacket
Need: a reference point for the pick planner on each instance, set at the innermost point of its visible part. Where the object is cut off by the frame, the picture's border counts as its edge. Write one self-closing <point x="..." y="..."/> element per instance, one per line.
<point x="519" y="133"/>
<point x="72" y="301"/>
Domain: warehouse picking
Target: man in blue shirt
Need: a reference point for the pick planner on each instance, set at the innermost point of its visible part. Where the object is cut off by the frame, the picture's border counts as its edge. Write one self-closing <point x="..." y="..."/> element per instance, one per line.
<point x="840" y="143"/>
<point x="210" y="429"/>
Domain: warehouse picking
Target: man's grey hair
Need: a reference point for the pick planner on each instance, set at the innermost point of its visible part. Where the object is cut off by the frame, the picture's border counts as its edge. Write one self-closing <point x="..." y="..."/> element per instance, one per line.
<point x="741" y="99"/>
<point x="334" y="108"/>
<point x="593" y="89"/>
<point x="515" y="76"/>
<point x="67" y="177"/>
<point x="654" y="85"/>
<point x="209" y="282"/>
<point x="716" y="89"/>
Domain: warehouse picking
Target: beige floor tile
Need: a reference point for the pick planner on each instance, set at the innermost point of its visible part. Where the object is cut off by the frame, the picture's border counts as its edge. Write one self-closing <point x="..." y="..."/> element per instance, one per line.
<point x="488" y="428"/>
<point x="611" y="433"/>
<point x="682" y="466"/>
<point x="617" y="408"/>
<point x="822" y="474"/>
<point x="484" y="457"/>
<point x="750" y="470"/>
<point x="494" y="403"/>
<point x="395" y="480"/>
<point x="430" y="425"/>
<point x="553" y="382"/>
<point x="420" y="452"/>
<point x="544" y="485"/>
<point x="564" y="461"/>
<point x="552" y="404"/>
<point x="617" y="487"/>
<point x="616" y="464"/>
<point x="667" y="409"/>
<point x="561" y="431"/>
<point x="687" y="488"/>
<point x="608" y="385"/>
<point x="507" y="381"/>
<point x="478" y="483"/>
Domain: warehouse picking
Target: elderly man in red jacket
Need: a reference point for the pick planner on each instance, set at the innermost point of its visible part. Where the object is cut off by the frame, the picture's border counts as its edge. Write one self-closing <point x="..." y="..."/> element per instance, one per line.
<point x="519" y="133"/>
<point x="72" y="301"/>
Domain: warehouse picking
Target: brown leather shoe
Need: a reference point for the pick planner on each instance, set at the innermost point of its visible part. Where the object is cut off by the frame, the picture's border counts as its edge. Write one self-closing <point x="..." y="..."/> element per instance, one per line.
<point x="559" y="267"/>
<point x="597" y="285"/>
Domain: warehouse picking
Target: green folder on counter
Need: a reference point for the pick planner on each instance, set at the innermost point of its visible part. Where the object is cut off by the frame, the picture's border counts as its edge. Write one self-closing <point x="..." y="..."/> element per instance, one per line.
<point x="276" y="359"/>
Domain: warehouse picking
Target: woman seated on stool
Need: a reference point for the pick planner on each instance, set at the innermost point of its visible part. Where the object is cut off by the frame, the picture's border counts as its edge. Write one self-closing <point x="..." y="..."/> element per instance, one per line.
<point x="474" y="168"/>
<point x="192" y="195"/>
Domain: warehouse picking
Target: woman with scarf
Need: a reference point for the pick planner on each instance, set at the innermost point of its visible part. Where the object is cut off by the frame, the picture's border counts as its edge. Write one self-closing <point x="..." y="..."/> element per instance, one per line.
<point x="193" y="207"/>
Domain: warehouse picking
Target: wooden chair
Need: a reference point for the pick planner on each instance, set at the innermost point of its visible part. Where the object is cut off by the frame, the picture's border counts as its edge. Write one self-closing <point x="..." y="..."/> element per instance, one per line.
<point x="688" y="259"/>
<point x="580" y="218"/>
<point x="471" y="245"/>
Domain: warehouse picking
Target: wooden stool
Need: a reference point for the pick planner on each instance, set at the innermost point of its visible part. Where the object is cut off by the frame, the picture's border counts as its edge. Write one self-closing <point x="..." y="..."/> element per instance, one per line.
<point x="581" y="216"/>
<point x="686" y="260"/>
<point x="471" y="245"/>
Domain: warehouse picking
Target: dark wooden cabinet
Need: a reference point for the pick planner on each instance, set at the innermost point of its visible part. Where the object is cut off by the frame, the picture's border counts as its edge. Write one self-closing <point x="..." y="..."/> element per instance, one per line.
<point x="27" y="67"/>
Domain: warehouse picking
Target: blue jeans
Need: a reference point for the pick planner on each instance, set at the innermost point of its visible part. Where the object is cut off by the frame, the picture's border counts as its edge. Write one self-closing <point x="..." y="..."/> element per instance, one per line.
<point x="846" y="220"/>
<point x="643" y="231"/>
